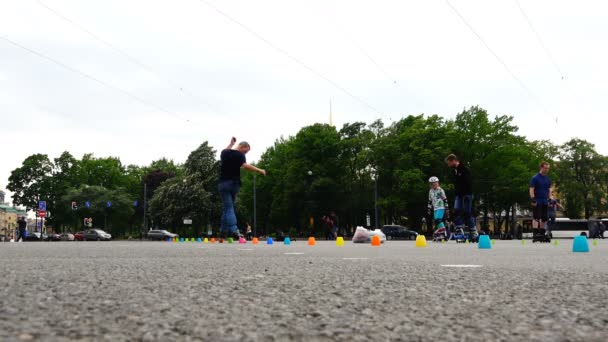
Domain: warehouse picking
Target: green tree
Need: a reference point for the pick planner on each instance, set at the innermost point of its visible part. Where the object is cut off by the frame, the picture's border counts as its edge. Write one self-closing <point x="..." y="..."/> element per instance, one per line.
<point x="32" y="181"/>
<point x="193" y="195"/>
<point x="111" y="218"/>
<point x="581" y="174"/>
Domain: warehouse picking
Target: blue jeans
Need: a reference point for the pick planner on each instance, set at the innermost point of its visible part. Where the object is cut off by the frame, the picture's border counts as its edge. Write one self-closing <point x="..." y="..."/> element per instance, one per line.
<point x="463" y="211"/>
<point x="228" y="190"/>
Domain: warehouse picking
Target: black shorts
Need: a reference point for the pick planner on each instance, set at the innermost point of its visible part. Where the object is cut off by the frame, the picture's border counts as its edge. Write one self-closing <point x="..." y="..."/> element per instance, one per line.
<point x="541" y="212"/>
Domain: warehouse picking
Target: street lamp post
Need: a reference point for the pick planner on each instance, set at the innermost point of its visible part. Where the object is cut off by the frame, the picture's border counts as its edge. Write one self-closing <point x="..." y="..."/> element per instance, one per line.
<point x="311" y="225"/>
<point x="376" y="199"/>
<point x="145" y="208"/>
<point x="255" y="202"/>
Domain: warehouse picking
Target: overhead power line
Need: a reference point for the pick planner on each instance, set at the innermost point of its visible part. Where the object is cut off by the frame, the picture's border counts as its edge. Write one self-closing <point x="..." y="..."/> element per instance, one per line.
<point x="94" y="79"/>
<point x="540" y="40"/>
<point x="132" y="59"/>
<point x="290" y="56"/>
<point x="500" y="60"/>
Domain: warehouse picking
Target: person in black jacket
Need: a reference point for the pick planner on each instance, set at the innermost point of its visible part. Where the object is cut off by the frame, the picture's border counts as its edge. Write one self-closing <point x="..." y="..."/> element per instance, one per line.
<point x="463" y="182"/>
<point x="22" y="225"/>
<point x="232" y="160"/>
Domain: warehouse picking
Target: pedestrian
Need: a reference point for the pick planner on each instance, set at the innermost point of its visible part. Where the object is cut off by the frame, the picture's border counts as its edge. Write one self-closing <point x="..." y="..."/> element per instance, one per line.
<point x="463" y="203"/>
<point x="553" y="205"/>
<point x="329" y="226"/>
<point x="22" y="225"/>
<point x="334" y="228"/>
<point x="438" y="203"/>
<point x="248" y="233"/>
<point x="540" y="194"/>
<point x="232" y="160"/>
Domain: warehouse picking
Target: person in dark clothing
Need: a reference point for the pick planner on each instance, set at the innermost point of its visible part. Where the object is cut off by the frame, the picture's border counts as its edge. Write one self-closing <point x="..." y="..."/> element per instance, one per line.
<point x="540" y="194"/>
<point x="463" y="183"/>
<point x="232" y="160"/>
<point x="552" y="213"/>
<point x="22" y="225"/>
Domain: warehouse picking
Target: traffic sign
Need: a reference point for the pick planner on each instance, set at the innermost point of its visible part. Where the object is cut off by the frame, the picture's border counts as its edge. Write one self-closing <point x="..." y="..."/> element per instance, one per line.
<point x="42" y="205"/>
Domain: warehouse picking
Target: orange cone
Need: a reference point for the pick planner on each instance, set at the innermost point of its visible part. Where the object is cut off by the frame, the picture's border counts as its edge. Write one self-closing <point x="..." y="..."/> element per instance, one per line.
<point x="376" y="240"/>
<point x="212" y="240"/>
<point x="255" y="241"/>
<point x="312" y="241"/>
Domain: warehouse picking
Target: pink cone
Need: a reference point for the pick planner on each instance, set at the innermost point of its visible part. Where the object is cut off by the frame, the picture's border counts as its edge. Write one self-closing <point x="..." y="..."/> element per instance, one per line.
<point x="242" y="240"/>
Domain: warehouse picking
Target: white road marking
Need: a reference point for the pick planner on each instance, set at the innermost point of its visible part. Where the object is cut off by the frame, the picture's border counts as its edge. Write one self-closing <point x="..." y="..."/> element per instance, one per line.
<point x="295" y="253"/>
<point x="462" y="266"/>
<point x="355" y="258"/>
<point x="245" y="249"/>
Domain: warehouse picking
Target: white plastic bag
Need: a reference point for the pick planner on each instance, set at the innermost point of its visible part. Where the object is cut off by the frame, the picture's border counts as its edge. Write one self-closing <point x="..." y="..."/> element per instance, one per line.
<point x="363" y="235"/>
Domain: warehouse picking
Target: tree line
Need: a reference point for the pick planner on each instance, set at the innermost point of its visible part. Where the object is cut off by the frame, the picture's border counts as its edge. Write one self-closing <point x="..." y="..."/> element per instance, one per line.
<point x="318" y="171"/>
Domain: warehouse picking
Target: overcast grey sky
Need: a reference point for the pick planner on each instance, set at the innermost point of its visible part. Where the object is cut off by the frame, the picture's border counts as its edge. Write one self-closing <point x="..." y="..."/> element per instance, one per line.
<point x="198" y="70"/>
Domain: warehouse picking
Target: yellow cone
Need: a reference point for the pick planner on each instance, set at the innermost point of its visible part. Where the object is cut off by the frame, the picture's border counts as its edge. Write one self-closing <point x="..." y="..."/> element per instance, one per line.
<point x="206" y="240"/>
<point x="340" y="241"/>
<point x="493" y="241"/>
<point x="595" y="242"/>
<point x="420" y="241"/>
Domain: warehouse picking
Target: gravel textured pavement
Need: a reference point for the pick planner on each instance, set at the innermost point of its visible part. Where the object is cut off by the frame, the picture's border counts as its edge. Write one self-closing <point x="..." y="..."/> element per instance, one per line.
<point x="161" y="291"/>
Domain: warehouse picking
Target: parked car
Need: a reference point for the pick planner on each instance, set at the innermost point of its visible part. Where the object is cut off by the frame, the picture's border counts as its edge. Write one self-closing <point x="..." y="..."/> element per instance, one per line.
<point x="34" y="236"/>
<point x="160" y="235"/>
<point x="79" y="236"/>
<point x="52" y="237"/>
<point x="394" y="232"/>
<point x="96" y="235"/>
<point x="67" y="237"/>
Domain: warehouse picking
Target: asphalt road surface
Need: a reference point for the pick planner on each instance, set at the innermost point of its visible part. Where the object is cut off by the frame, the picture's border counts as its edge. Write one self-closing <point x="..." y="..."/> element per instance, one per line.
<point x="161" y="291"/>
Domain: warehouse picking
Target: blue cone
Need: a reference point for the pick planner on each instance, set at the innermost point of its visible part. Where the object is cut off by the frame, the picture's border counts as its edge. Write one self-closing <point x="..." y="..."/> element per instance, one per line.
<point x="169" y="239"/>
<point x="199" y="240"/>
<point x="484" y="242"/>
<point x="580" y="245"/>
<point x="287" y="241"/>
<point x="269" y="241"/>
<point x="181" y="239"/>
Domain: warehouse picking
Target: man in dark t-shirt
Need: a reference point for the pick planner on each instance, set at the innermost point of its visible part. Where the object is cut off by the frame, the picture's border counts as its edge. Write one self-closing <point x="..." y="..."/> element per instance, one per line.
<point x="463" y="204"/>
<point x="230" y="183"/>
<point x="540" y="194"/>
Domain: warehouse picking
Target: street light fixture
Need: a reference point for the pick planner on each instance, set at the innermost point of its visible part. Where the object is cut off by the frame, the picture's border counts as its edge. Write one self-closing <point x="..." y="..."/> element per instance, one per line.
<point x="255" y="216"/>
<point x="374" y="174"/>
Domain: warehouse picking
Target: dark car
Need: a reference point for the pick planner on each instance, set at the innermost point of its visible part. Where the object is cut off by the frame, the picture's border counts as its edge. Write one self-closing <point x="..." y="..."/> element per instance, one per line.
<point x="79" y="236"/>
<point x="156" y="234"/>
<point x="52" y="237"/>
<point x="394" y="232"/>
<point x="34" y="236"/>
<point x="96" y="235"/>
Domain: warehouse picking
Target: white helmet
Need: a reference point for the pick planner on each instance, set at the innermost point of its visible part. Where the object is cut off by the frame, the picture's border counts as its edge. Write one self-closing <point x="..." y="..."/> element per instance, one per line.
<point x="433" y="179"/>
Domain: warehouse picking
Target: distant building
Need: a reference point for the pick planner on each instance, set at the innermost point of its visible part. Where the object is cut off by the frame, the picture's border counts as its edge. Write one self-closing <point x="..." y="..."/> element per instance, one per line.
<point x="8" y="217"/>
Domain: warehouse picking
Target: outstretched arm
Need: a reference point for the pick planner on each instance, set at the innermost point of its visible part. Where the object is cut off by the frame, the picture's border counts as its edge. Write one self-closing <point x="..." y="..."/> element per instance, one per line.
<point x="252" y="168"/>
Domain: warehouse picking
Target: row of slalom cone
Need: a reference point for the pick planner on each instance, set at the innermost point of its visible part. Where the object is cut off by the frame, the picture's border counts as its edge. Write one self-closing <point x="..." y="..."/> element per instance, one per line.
<point x="580" y="244"/>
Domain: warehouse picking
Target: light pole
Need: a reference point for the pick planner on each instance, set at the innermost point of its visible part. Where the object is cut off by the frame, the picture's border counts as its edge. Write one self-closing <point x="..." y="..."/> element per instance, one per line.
<point x="311" y="224"/>
<point x="374" y="174"/>
<point x="145" y="208"/>
<point x="255" y="202"/>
